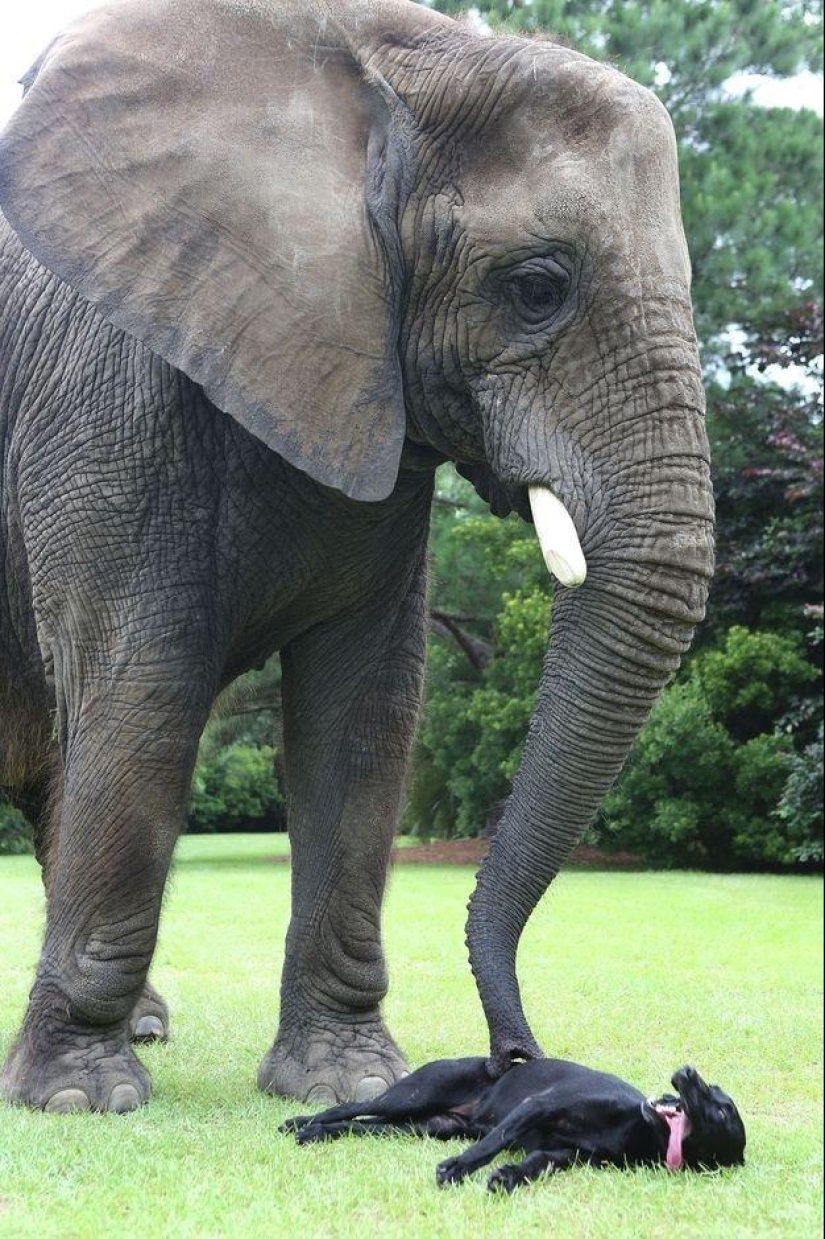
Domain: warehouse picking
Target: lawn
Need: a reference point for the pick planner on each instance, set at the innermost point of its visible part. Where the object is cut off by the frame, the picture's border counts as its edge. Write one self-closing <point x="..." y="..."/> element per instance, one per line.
<point x="634" y="972"/>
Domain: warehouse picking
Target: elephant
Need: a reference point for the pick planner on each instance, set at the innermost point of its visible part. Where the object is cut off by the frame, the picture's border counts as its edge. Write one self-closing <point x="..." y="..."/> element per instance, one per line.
<point x="264" y="266"/>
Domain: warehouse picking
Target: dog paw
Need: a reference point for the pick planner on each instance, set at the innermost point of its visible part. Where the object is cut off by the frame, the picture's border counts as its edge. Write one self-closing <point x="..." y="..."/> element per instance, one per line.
<point x="312" y="1133"/>
<point x="449" y="1172"/>
<point x="292" y="1125"/>
<point x="505" y="1179"/>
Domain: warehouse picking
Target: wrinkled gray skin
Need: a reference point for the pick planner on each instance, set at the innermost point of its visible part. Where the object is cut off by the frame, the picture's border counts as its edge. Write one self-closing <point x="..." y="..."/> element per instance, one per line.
<point x="265" y="267"/>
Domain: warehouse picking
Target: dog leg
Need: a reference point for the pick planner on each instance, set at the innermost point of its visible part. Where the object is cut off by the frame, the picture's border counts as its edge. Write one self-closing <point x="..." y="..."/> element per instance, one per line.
<point x="431" y="1092"/>
<point x="509" y="1134"/>
<point x="508" y="1178"/>
<point x="439" y="1127"/>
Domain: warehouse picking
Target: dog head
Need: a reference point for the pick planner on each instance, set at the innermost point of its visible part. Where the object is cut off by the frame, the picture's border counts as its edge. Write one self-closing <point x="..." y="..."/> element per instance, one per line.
<point x="705" y="1128"/>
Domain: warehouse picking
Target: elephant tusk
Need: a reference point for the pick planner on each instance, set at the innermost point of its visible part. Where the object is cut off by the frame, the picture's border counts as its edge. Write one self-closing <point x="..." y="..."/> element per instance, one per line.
<point x="557" y="537"/>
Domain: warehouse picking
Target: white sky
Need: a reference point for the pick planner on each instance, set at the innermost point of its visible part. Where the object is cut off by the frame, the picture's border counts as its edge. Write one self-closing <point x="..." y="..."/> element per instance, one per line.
<point x="28" y="25"/>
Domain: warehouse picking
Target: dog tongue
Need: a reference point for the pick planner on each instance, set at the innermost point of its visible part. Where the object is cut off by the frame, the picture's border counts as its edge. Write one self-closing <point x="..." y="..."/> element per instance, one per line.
<point x="677" y="1122"/>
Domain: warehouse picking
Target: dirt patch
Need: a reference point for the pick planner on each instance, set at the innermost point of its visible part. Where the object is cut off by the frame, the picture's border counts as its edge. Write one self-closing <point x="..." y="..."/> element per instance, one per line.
<point x="473" y="851"/>
<point x="443" y="852"/>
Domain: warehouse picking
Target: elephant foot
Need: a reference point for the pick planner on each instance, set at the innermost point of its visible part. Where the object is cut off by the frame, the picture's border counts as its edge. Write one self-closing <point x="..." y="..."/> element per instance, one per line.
<point x="354" y="1059"/>
<point x="149" y="1020"/>
<point x="66" y="1069"/>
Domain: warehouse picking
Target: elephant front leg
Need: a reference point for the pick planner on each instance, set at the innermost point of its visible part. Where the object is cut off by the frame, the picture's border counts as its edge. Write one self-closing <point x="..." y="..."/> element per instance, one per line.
<point x="128" y="751"/>
<point x="39" y="802"/>
<point x="351" y="700"/>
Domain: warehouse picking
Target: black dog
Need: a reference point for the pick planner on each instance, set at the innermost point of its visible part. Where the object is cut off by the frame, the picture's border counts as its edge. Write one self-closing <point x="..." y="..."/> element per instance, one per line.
<point x="556" y="1112"/>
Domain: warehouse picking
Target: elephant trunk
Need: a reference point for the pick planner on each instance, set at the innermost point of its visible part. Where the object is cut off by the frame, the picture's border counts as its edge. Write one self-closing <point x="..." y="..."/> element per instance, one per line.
<point x="615" y="642"/>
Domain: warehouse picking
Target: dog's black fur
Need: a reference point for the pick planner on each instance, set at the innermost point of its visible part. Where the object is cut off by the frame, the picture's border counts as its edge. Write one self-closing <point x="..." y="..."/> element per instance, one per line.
<point x="556" y="1112"/>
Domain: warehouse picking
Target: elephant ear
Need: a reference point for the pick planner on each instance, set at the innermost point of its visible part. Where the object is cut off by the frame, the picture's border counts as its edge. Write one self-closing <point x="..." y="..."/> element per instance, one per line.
<point x="207" y="175"/>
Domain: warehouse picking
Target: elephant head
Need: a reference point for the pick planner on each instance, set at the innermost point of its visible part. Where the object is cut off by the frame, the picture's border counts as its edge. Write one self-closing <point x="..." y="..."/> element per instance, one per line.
<point x="557" y="281"/>
<point x="362" y="225"/>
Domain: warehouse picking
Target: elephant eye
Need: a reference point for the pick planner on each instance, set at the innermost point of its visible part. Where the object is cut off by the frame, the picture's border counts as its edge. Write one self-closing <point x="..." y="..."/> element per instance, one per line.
<point x="539" y="290"/>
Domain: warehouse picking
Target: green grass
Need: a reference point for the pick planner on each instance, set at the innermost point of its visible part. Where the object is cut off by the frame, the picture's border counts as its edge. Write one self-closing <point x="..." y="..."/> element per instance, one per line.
<point x="635" y="972"/>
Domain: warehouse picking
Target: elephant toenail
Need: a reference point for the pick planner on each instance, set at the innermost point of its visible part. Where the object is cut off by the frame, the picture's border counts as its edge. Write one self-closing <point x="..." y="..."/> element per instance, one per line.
<point x="149" y="1028"/>
<point x="369" y="1087"/>
<point x="124" y="1097"/>
<point x="321" y="1095"/>
<point x="68" y="1101"/>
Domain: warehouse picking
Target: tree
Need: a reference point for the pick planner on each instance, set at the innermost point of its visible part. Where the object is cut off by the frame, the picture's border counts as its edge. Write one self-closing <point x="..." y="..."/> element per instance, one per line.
<point x="490" y="576"/>
<point x="768" y="463"/>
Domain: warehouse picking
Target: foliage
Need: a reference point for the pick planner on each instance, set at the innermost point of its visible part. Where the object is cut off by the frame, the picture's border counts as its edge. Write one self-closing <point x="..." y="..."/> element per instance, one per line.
<point x="767" y="449"/>
<point x="751" y="680"/>
<point x="724" y="773"/>
<point x="249" y="711"/>
<point x="476" y="560"/>
<point x="15" y="835"/>
<point x="713" y="780"/>
<point x="235" y="788"/>
<point x="801" y="808"/>
<point x="489" y="576"/>
<point x="237" y="781"/>
<point x="475" y="723"/>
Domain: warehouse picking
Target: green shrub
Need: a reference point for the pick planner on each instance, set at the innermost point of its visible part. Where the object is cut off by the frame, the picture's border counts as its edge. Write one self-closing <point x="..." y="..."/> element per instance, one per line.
<point x="800" y="809"/>
<point x="233" y="788"/>
<point x="752" y="679"/>
<point x="714" y="780"/>
<point x="475" y="723"/>
<point x="236" y="788"/>
<point x="15" y="835"/>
